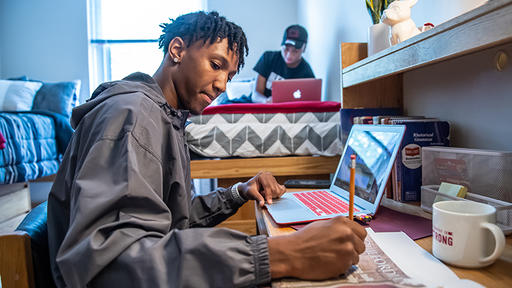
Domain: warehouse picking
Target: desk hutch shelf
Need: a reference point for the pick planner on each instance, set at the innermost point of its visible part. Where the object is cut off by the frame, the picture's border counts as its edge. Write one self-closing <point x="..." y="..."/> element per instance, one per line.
<point x="376" y="81"/>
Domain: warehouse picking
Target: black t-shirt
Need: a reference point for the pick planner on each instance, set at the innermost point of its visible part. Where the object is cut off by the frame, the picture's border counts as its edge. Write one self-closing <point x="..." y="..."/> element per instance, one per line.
<point x="272" y="66"/>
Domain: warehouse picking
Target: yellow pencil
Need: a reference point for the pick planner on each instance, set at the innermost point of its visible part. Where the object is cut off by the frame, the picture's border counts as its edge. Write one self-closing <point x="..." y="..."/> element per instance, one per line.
<point x="352" y="186"/>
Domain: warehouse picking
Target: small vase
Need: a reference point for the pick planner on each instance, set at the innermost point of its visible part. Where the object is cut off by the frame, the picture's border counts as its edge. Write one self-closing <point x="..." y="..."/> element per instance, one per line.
<point x="378" y="38"/>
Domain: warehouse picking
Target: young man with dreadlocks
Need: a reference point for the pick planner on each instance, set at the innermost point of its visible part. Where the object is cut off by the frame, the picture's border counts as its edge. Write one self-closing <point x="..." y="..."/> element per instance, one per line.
<point x="121" y="213"/>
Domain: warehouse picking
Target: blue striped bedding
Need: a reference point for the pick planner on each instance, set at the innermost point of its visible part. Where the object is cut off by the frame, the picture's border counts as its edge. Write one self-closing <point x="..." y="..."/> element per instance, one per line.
<point x="32" y="148"/>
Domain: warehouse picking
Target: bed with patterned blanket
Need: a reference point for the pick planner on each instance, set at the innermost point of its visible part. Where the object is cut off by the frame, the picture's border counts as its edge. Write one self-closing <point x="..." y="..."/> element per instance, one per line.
<point x="32" y="144"/>
<point x="257" y="130"/>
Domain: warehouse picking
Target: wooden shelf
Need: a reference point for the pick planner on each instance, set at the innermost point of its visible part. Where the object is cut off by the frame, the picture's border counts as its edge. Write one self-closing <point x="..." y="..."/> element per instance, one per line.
<point x="486" y="26"/>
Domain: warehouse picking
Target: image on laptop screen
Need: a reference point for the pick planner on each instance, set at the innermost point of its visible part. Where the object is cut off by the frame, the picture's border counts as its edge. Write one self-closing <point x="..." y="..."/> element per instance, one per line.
<point x="374" y="150"/>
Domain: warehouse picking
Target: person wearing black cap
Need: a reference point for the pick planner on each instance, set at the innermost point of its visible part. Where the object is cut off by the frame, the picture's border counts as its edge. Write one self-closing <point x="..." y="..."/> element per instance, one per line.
<point x="285" y="64"/>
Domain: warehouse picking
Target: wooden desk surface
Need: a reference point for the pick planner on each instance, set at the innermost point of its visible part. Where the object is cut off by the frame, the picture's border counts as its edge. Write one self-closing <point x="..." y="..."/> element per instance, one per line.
<point x="498" y="274"/>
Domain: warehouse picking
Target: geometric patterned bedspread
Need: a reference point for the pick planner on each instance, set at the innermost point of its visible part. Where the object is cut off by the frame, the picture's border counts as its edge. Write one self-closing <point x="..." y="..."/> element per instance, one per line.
<point x="265" y="134"/>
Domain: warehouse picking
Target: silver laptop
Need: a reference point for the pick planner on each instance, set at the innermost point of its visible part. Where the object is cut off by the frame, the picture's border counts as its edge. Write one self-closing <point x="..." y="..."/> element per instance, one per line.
<point x="375" y="147"/>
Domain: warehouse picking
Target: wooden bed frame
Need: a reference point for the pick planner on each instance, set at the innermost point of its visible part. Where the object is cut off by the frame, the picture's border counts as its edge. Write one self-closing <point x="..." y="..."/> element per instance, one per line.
<point x="241" y="168"/>
<point x="231" y="171"/>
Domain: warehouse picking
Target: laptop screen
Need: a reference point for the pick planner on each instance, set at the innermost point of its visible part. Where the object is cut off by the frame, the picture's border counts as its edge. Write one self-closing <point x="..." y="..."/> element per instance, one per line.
<point x="375" y="147"/>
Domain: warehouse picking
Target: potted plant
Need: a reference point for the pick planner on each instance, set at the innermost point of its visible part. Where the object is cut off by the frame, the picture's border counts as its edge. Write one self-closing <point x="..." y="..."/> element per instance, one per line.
<point x="376" y="8"/>
<point x="378" y="33"/>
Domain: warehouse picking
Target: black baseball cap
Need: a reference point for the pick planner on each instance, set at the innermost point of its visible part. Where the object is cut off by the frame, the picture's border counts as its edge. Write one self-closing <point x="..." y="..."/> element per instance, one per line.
<point x="296" y="36"/>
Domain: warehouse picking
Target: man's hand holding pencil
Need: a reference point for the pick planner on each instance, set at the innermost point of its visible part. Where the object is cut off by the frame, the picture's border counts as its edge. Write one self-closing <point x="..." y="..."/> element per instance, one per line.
<point x="320" y="250"/>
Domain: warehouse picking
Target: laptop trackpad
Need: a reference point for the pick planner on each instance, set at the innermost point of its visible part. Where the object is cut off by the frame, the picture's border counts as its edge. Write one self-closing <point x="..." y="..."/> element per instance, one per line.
<point x="285" y="204"/>
<point x="287" y="209"/>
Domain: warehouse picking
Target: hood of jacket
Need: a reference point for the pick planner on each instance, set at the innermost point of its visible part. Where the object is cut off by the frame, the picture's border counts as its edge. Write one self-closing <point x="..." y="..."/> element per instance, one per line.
<point x="136" y="82"/>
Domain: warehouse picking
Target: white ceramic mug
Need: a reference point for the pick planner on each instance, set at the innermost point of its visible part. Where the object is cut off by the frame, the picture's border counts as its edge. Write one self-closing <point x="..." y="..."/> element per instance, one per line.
<point x="464" y="233"/>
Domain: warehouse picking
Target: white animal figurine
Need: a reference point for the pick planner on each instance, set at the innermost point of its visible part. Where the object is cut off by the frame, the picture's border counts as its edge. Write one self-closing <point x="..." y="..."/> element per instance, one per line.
<point x="398" y="16"/>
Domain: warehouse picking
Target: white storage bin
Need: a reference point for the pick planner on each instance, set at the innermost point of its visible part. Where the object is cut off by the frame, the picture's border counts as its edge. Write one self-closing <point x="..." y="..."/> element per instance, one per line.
<point x="503" y="209"/>
<point x="484" y="172"/>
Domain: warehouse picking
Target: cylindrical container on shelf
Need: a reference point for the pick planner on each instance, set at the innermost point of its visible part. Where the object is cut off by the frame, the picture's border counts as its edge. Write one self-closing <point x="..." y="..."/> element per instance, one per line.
<point x="378" y="38"/>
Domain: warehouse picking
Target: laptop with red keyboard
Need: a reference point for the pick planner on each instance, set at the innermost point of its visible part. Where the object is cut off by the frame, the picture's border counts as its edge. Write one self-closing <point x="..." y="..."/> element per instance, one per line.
<point x="322" y="202"/>
<point x="376" y="147"/>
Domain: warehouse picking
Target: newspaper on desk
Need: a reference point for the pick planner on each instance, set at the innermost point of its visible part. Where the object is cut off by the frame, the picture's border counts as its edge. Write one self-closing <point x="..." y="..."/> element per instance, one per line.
<point x="390" y="260"/>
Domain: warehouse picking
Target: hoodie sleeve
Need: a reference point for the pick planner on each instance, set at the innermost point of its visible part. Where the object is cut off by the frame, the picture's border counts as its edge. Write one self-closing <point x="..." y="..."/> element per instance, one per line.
<point x="213" y="208"/>
<point x="120" y="231"/>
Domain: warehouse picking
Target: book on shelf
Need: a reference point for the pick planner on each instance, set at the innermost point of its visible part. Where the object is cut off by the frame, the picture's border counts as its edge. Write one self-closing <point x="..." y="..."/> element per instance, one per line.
<point x="404" y="183"/>
<point x="363" y="120"/>
<point x="388" y="119"/>
<point x="385" y="118"/>
<point x="418" y="133"/>
<point x="347" y="116"/>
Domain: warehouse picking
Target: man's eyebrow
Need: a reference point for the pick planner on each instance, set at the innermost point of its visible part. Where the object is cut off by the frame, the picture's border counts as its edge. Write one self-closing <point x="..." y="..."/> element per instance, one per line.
<point x="220" y="57"/>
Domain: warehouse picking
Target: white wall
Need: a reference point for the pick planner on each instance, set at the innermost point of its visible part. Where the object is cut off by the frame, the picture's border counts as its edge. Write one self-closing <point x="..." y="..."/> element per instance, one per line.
<point x="1" y="38"/>
<point x="469" y="93"/>
<point x="466" y="91"/>
<point x="439" y="11"/>
<point x="330" y="22"/>
<point x="1" y="57"/>
<point x="263" y="22"/>
<point x="44" y="40"/>
<point x="47" y="40"/>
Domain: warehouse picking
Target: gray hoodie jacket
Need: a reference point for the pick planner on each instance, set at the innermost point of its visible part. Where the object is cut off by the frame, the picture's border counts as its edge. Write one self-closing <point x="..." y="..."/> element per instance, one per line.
<point x="121" y="212"/>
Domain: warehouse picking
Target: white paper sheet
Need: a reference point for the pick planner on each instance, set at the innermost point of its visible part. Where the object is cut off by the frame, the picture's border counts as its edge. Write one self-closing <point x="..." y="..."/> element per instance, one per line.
<point x="416" y="262"/>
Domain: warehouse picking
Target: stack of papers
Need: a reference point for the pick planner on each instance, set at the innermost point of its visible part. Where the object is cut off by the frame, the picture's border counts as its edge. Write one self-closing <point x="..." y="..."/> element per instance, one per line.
<point x="393" y="259"/>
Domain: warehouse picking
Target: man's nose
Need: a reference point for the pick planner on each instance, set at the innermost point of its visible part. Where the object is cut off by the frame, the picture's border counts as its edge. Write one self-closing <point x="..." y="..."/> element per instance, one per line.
<point x="219" y="85"/>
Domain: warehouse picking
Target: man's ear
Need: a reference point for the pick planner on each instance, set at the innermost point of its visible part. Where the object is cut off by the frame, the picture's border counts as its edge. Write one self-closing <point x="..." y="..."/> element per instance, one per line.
<point x="176" y="49"/>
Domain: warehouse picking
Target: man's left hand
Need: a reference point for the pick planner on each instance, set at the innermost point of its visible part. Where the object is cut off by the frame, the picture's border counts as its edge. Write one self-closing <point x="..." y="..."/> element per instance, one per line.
<point x="262" y="188"/>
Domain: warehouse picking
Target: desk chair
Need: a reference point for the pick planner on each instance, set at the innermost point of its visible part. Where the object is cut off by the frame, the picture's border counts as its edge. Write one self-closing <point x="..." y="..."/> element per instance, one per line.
<point x="24" y="260"/>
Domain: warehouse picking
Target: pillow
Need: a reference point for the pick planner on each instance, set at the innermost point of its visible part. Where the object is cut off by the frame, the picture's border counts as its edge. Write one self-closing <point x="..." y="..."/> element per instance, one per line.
<point x="240" y="89"/>
<point x="58" y="97"/>
<point x="21" y="78"/>
<point x="17" y="95"/>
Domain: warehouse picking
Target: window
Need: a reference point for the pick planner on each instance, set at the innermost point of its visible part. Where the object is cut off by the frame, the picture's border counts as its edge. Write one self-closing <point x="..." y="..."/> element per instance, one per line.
<point x="124" y="35"/>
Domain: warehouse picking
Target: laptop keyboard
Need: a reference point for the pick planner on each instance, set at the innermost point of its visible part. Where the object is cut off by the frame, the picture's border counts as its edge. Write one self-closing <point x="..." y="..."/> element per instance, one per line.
<point x="323" y="202"/>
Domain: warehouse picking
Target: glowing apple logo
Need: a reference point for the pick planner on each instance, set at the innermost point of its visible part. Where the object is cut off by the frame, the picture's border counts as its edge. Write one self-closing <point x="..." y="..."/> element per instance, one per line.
<point x="297" y="94"/>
